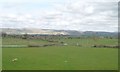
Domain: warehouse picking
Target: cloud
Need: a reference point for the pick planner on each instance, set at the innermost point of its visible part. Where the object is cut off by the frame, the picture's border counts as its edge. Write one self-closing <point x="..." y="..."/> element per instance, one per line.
<point x="95" y="15"/>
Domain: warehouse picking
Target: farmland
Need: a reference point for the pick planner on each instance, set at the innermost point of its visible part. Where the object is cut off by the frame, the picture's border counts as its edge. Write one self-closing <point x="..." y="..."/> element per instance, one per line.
<point x="66" y="54"/>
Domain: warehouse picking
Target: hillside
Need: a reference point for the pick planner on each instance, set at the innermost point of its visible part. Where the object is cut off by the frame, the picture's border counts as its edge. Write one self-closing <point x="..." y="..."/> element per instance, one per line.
<point x="57" y="32"/>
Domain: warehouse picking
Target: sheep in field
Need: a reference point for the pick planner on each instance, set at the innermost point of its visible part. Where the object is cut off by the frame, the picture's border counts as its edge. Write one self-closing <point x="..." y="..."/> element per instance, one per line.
<point x="65" y="44"/>
<point x="15" y="59"/>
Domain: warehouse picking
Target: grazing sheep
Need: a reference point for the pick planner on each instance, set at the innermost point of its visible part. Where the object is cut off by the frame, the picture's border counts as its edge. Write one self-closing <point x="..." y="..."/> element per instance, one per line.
<point x="78" y="44"/>
<point x="65" y="44"/>
<point x="15" y="59"/>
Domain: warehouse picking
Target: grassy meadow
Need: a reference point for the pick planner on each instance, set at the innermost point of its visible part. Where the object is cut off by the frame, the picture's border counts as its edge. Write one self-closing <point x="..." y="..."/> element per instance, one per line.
<point x="66" y="57"/>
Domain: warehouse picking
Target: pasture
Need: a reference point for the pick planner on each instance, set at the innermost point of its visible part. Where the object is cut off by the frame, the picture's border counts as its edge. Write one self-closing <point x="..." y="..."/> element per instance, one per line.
<point x="60" y="57"/>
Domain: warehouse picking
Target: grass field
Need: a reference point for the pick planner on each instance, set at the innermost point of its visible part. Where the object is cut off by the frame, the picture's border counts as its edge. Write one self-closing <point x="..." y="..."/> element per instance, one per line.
<point x="70" y="57"/>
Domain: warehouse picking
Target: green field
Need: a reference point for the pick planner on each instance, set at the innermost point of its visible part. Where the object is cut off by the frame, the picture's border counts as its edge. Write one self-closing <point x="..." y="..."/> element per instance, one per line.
<point x="70" y="57"/>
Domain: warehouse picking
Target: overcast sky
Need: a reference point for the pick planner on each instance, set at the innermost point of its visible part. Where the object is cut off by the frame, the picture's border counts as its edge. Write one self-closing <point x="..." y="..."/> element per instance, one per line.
<point x="81" y="15"/>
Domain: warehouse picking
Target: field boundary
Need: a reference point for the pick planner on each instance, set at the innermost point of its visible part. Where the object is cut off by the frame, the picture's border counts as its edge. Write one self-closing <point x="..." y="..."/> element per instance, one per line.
<point x="60" y="71"/>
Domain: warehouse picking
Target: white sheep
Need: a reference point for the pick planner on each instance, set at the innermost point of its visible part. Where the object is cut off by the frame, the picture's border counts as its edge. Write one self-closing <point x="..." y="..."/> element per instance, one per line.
<point x="15" y="59"/>
<point x="77" y="44"/>
<point x="65" y="44"/>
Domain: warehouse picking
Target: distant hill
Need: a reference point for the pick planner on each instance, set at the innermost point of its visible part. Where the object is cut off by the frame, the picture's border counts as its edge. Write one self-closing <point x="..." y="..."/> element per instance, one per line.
<point x="32" y="31"/>
<point x="57" y="32"/>
<point x="109" y="34"/>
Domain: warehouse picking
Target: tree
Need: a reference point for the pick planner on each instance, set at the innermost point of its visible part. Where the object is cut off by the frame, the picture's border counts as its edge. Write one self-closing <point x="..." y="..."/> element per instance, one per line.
<point x="4" y="34"/>
<point x="25" y="36"/>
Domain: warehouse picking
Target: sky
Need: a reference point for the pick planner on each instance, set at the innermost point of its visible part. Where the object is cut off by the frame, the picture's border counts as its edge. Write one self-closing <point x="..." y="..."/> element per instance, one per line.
<point x="80" y="15"/>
